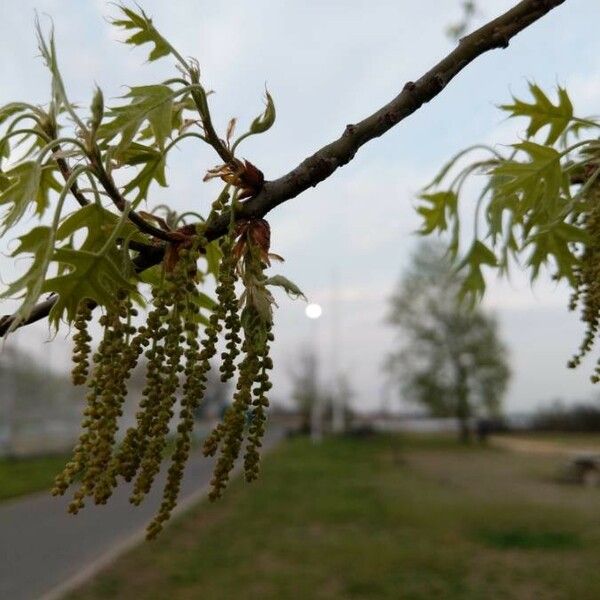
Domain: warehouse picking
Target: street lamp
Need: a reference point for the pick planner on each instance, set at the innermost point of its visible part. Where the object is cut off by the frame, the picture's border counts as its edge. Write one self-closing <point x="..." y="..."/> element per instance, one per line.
<point x="313" y="311"/>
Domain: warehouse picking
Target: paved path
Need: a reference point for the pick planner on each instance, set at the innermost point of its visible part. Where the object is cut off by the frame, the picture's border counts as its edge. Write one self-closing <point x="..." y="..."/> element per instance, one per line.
<point x="44" y="551"/>
<point x="533" y="446"/>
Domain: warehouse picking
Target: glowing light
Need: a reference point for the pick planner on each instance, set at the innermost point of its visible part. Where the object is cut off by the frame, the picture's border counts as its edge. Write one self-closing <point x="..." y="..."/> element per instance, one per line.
<point x="314" y="311"/>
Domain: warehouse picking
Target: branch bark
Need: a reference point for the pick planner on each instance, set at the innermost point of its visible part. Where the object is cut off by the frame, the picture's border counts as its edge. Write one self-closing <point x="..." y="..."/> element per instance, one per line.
<point x="323" y="163"/>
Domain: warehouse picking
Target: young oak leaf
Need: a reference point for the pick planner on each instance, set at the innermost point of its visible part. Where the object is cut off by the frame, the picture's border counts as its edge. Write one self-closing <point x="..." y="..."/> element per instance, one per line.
<point x="554" y="243"/>
<point x="48" y="183"/>
<point x="441" y="205"/>
<point x="265" y="121"/>
<point x="152" y="103"/>
<point x="543" y="113"/>
<point x="99" y="224"/>
<point x="473" y="286"/>
<point x="25" y="181"/>
<point x="92" y="276"/>
<point x="146" y="32"/>
<point x="153" y="170"/>
<point x="37" y="242"/>
<point x="260" y="124"/>
<point x="537" y="181"/>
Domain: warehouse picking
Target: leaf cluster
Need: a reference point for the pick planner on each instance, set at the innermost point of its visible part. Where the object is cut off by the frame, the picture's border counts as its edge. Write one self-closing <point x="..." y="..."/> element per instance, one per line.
<point x="55" y="154"/>
<point x="534" y="196"/>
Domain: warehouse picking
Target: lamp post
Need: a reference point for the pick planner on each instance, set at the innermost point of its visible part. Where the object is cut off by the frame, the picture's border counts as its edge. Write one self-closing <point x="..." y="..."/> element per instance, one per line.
<point x="313" y="312"/>
<point x="337" y="400"/>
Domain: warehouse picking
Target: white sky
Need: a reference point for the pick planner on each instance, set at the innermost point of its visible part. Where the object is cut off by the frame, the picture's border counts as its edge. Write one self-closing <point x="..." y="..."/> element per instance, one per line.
<point x="329" y="63"/>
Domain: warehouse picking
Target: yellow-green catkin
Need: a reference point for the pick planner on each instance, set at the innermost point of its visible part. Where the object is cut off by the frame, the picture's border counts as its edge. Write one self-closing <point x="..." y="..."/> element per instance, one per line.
<point x="228" y="304"/>
<point x="234" y="421"/>
<point x="107" y="389"/>
<point x="126" y="352"/>
<point x="133" y="447"/>
<point x="587" y="288"/>
<point x="258" y="414"/>
<point x="172" y="307"/>
<point x="81" y="344"/>
<point x="256" y="324"/>
<point x="176" y="351"/>
<point x="197" y="364"/>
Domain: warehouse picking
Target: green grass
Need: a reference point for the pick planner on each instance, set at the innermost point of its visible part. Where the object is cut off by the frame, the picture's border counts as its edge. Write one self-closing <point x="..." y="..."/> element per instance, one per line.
<point x="19" y="476"/>
<point x="384" y="517"/>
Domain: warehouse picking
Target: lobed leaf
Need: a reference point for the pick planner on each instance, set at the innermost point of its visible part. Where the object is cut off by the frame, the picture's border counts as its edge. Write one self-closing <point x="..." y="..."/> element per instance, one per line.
<point x="39" y="243"/>
<point x="145" y="32"/>
<point x="152" y="103"/>
<point x="554" y="244"/>
<point x="441" y="205"/>
<point x="473" y="286"/>
<point x="542" y="112"/>
<point x="91" y="276"/>
<point x="99" y="224"/>
<point x="153" y="170"/>
<point x="25" y="179"/>
<point x="537" y="182"/>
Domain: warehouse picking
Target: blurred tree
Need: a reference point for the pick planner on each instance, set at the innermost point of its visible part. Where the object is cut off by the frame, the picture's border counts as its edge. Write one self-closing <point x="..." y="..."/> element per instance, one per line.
<point x="450" y="359"/>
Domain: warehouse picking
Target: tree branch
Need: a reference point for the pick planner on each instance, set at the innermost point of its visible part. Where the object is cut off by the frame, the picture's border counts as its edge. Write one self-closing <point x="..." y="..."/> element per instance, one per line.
<point x="318" y="167"/>
<point x="113" y="191"/>
<point x="65" y="170"/>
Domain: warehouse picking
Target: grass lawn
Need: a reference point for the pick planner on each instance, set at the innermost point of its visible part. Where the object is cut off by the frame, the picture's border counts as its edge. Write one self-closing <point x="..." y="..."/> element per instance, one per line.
<point x="20" y="476"/>
<point x="383" y="517"/>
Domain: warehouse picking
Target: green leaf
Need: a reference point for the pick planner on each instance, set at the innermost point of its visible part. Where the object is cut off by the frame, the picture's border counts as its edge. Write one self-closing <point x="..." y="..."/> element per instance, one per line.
<point x="97" y="111"/>
<point x="538" y="181"/>
<point x="553" y="244"/>
<point x="205" y="301"/>
<point x="441" y="206"/>
<point x="23" y="190"/>
<point x="153" y="170"/>
<point x="99" y="223"/>
<point x="145" y="32"/>
<point x="134" y="154"/>
<point x="4" y="182"/>
<point x="542" y="112"/>
<point x="11" y="109"/>
<point x="291" y="289"/>
<point x="473" y="286"/>
<point x="152" y="103"/>
<point x="37" y="242"/>
<point x="152" y="276"/>
<point x="265" y="121"/>
<point x="177" y="116"/>
<point x="48" y="183"/>
<point x="213" y="258"/>
<point x="92" y="276"/>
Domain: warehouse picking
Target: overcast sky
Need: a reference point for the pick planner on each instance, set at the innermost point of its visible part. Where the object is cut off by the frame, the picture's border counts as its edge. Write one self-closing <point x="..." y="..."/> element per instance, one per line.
<point x="328" y="63"/>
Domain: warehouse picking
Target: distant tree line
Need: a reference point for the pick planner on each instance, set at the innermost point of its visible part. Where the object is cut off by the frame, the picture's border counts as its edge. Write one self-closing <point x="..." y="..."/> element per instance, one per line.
<point x="582" y="416"/>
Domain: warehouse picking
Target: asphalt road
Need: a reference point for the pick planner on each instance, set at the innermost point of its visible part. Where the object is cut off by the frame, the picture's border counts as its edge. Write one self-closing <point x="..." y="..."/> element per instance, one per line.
<point x="44" y="551"/>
